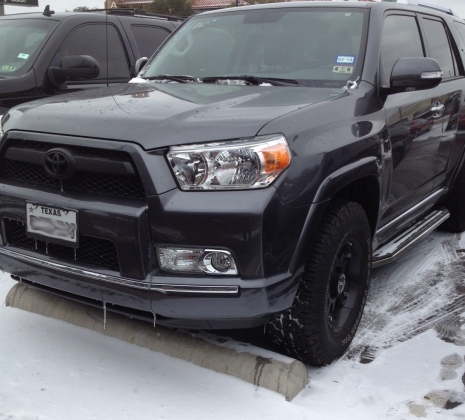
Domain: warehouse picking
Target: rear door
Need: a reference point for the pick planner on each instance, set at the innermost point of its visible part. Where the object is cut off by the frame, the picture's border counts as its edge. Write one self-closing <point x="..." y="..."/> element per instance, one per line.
<point x="441" y="46"/>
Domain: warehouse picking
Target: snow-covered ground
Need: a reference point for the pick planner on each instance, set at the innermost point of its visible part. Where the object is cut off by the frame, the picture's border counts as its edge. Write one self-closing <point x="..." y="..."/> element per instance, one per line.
<point x="407" y="361"/>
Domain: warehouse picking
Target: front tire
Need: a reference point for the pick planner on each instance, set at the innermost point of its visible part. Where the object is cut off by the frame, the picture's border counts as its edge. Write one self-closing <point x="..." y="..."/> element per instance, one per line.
<point x="328" y="306"/>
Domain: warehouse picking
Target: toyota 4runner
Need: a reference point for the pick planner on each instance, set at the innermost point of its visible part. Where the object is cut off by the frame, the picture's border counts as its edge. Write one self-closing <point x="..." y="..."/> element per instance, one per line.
<point x="268" y="158"/>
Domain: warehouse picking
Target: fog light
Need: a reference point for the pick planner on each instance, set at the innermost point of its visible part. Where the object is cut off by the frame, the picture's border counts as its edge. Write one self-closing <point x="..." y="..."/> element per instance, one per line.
<point x="196" y="260"/>
<point x="218" y="262"/>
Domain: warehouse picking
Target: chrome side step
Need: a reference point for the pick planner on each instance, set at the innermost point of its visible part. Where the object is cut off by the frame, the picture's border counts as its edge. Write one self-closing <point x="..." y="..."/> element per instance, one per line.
<point x="391" y="251"/>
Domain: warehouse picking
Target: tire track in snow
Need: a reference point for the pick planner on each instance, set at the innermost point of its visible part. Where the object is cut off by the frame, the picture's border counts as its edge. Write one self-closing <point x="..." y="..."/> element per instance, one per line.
<point x="422" y="290"/>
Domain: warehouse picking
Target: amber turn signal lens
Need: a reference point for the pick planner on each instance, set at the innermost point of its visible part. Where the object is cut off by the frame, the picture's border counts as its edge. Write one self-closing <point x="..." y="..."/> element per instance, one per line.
<point x="276" y="158"/>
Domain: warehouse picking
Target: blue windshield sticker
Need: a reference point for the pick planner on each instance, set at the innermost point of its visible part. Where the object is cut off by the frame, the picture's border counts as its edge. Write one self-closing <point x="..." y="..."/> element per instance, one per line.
<point x="345" y="59"/>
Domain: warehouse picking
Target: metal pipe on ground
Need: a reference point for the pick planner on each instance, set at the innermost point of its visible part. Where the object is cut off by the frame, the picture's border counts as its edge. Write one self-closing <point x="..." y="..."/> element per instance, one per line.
<point x="287" y="379"/>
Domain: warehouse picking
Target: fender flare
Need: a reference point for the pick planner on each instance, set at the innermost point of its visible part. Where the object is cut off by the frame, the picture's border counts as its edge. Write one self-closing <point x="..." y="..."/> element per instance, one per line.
<point x="336" y="181"/>
<point x="331" y="185"/>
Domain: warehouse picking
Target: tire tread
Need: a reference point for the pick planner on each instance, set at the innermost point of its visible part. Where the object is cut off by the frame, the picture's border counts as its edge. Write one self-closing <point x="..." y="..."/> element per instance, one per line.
<point x="297" y="331"/>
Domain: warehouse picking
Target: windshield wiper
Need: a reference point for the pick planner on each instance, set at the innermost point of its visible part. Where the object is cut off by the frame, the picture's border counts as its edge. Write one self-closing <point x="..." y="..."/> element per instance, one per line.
<point x="253" y="80"/>
<point x="173" y="78"/>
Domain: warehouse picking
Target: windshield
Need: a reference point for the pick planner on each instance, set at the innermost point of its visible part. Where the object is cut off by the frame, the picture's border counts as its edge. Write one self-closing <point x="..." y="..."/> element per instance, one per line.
<point x="19" y="39"/>
<point x="314" y="46"/>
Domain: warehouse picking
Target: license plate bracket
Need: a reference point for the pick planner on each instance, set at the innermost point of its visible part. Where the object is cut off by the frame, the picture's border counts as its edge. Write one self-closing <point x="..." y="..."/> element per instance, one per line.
<point x="52" y="224"/>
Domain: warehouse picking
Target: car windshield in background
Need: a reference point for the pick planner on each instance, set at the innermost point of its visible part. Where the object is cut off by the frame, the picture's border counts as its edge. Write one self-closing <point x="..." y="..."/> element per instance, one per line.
<point x="19" y="39"/>
<point x="310" y="46"/>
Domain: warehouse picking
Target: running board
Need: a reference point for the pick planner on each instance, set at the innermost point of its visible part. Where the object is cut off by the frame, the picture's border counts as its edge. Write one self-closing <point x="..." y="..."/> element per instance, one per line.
<point x="391" y="251"/>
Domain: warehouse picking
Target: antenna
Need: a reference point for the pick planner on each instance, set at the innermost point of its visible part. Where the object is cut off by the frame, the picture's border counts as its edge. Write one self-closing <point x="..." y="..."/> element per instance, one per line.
<point x="106" y="42"/>
<point x="47" y="11"/>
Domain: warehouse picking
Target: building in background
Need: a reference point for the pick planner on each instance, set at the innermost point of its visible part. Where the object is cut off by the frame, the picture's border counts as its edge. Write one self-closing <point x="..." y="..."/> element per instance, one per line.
<point x="26" y="3"/>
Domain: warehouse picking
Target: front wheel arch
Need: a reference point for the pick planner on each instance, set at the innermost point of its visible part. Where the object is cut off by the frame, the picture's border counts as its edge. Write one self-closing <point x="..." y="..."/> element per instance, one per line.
<point x="360" y="186"/>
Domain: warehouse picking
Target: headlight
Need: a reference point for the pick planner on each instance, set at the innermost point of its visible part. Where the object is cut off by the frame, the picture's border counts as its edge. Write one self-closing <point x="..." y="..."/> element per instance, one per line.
<point x="242" y="164"/>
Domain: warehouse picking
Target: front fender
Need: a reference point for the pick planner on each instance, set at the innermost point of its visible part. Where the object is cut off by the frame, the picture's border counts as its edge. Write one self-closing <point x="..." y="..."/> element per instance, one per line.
<point x="332" y="186"/>
<point x="335" y="182"/>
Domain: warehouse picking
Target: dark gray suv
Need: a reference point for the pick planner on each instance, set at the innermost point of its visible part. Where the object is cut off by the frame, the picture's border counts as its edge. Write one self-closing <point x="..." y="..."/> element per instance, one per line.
<point x="268" y="158"/>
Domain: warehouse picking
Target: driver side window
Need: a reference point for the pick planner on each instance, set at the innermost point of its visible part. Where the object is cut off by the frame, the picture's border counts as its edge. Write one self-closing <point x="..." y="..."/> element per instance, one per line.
<point x="91" y="40"/>
<point x="396" y="30"/>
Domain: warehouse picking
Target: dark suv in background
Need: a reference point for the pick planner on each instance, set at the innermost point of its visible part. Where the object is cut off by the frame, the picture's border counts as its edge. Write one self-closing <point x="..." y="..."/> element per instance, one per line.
<point x="43" y="54"/>
<point x="269" y="158"/>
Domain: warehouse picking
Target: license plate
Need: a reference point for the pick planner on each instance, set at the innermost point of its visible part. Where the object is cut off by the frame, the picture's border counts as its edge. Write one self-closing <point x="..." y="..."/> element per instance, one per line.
<point x="52" y="224"/>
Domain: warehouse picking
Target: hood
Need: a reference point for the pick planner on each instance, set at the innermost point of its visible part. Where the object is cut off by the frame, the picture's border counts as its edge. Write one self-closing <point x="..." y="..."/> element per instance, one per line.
<point x="158" y="115"/>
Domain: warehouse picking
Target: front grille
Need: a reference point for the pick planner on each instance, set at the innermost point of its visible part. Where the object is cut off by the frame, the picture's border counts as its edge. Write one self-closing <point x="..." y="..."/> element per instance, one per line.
<point x="96" y="251"/>
<point x="106" y="184"/>
<point x="27" y="172"/>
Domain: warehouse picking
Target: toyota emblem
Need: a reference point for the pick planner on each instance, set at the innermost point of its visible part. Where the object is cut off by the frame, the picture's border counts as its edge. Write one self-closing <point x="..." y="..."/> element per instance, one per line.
<point x="59" y="163"/>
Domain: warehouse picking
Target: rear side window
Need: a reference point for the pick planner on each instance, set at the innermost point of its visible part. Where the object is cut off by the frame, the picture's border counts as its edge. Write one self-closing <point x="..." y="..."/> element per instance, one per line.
<point x="148" y="38"/>
<point x="91" y="40"/>
<point x="461" y="29"/>
<point x="439" y="46"/>
<point x="396" y="30"/>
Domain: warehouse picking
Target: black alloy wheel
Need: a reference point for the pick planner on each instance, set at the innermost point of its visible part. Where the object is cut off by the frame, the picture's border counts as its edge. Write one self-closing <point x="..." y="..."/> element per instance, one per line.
<point x="329" y="302"/>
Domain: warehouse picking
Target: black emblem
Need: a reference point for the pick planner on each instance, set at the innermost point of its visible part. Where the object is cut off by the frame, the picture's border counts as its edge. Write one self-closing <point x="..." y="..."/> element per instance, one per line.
<point x="59" y="163"/>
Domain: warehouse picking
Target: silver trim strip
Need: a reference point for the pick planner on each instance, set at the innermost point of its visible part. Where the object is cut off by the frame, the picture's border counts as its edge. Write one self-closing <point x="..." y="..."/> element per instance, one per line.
<point x="411" y="210"/>
<point x="124" y="281"/>
<point x="186" y="289"/>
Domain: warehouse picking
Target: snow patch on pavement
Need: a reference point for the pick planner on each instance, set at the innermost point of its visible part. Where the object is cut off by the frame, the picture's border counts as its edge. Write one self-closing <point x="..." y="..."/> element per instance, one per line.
<point x="412" y="335"/>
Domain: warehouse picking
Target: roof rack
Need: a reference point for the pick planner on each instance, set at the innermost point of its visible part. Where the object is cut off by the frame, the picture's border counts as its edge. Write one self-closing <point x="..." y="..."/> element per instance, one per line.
<point x="425" y="4"/>
<point x="139" y="12"/>
<point x="436" y="7"/>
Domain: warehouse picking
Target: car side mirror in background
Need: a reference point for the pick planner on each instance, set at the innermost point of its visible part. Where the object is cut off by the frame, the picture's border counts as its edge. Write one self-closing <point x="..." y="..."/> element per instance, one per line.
<point x="74" y="67"/>
<point x="415" y="73"/>
<point x="138" y="65"/>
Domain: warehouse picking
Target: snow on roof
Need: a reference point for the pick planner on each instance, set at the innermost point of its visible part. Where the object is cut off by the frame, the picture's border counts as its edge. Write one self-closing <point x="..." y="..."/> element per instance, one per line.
<point x="216" y="4"/>
<point x="125" y="2"/>
<point x="204" y="4"/>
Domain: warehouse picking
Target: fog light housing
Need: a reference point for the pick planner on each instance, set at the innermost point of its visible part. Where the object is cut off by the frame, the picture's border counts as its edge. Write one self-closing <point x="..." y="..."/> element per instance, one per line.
<point x="197" y="261"/>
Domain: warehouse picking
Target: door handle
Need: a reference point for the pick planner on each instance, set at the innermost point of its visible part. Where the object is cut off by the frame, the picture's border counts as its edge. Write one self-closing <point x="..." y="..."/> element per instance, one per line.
<point x="437" y="109"/>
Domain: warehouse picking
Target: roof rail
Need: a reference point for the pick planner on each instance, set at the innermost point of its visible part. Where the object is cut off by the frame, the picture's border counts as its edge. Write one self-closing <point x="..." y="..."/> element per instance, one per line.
<point x="425" y="4"/>
<point x="136" y="12"/>
<point x="436" y="7"/>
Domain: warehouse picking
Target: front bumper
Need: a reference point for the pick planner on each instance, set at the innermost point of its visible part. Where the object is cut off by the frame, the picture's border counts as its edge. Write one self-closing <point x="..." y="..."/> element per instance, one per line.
<point x="240" y="304"/>
<point x="259" y="231"/>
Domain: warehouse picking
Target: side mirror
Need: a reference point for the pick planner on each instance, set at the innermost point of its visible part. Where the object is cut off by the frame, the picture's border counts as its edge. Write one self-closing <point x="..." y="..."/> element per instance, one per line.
<point x="74" y="67"/>
<point x="138" y="65"/>
<point x="416" y="73"/>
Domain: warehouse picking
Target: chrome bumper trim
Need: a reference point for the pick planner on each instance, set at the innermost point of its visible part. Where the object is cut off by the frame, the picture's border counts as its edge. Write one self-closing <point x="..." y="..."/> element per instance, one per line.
<point x="123" y="281"/>
<point x="189" y="289"/>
